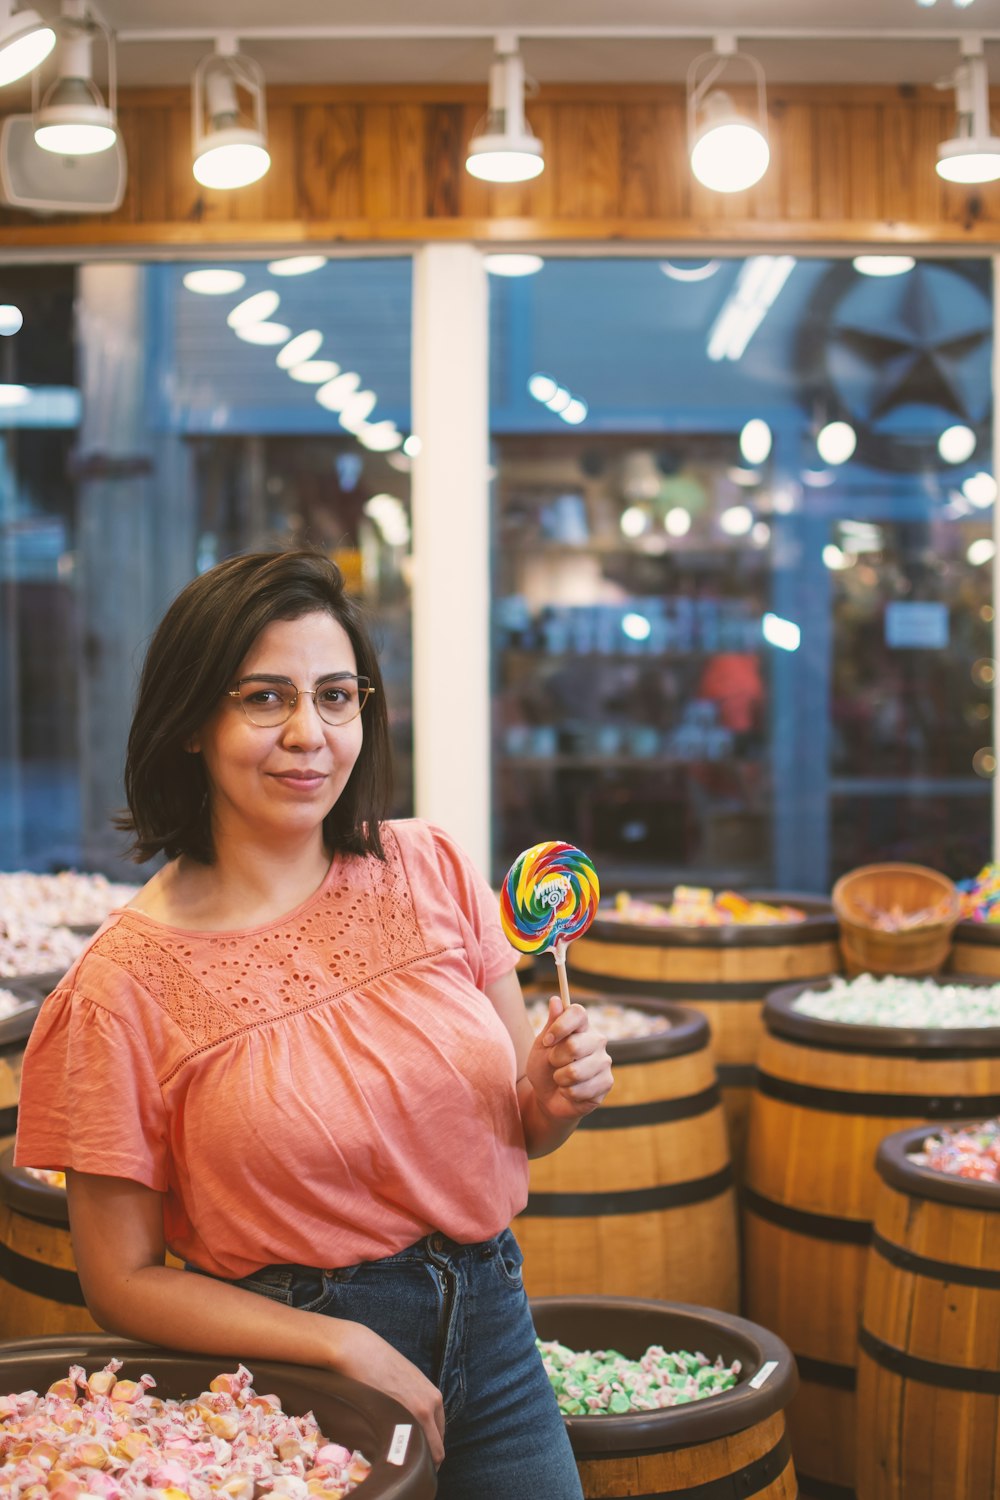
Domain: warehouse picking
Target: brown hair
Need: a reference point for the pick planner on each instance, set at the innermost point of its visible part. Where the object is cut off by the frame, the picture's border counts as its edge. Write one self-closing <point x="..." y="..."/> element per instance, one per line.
<point x="192" y="660"/>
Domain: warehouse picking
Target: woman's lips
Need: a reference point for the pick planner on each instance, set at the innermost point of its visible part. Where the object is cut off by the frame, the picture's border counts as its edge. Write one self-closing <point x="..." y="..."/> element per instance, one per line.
<point x="300" y="780"/>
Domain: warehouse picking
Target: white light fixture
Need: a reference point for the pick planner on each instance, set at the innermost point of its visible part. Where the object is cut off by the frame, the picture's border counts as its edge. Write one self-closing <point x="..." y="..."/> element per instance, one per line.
<point x="504" y="149"/>
<point x="736" y="520"/>
<point x="980" y="490"/>
<point x="956" y="444"/>
<point x="755" y="441"/>
<point x="634" y="520"/>
<point x="263" y="333"/>
<point x="637" y="627"/>
<point x="356" y="410"/>
<point x="784" y="634"/>
<point x="835" y="559"/>
<point x="11" y="320"/>
<point x="677" y="521"/>
<point x="14" y="395"/>
<point x="380" y="437"/>
<point x="315" y="371"/>
<point x="575" y="412"/>
<point x="542" y="387"/>
<point x="760" y="280"/>
<point x="728" y="151"/>
<point x="412" y="446"/>
<point x="883" y="265"/>
<point x="973" y="153"/>
<point x="836" y="442"/>
<point x="72" y="118"/>
<point x="981" y="551"/>
<point x="703" y="272"/>
<point x="300" y="349"/>
<point x="228" y="153"/>
<point x="296" y="265"/>
<point x="214" y="281"/>
<point x="256" y="309"/>
<point x="336" y="392"/>
<point x="761" y="534"/>
<point x="25" y="41"/>
<point x="513" y="265"/>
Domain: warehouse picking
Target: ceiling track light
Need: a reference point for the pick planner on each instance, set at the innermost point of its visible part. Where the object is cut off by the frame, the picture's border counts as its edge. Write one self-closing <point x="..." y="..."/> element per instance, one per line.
<point x="72" y="118"/>
<point x="228" y="151"/>
<point x="25" y="41"/>
<point x="728" y="151"/>
<point x="973" y="153"/>
<point x="502" y="148"/>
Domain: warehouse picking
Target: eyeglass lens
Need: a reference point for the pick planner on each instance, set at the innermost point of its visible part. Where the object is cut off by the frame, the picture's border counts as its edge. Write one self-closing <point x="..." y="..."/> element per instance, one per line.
<point x="273" y="702"/>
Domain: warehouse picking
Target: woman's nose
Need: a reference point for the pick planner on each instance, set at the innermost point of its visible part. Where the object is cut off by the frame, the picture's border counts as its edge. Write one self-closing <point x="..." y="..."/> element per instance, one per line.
<point x="304" y="725"/>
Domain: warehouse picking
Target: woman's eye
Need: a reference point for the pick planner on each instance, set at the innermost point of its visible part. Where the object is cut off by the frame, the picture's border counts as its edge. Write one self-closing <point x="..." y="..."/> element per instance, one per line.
<point x="336" y="695"/>
<point x="264" y="697"/>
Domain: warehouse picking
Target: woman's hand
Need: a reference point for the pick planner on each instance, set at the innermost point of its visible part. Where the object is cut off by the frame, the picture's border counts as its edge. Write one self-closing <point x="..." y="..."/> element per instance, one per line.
<point x="365" y="1356"/>
<point x="568" y="1066"/>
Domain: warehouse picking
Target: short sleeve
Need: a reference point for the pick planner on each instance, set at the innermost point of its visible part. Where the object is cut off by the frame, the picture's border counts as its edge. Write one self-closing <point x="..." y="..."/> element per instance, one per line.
<point x="477" y="904"/>
<point x="89" y="1098"/>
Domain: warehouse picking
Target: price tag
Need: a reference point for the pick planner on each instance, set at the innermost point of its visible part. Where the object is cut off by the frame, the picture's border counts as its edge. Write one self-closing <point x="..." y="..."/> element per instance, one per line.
<point x="400" y="1443"/>
<point x="764" y="1373"/>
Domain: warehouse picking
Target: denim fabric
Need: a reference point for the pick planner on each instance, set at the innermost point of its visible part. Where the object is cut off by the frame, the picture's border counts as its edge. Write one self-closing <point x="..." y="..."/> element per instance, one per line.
<point x="460" y="1313"/>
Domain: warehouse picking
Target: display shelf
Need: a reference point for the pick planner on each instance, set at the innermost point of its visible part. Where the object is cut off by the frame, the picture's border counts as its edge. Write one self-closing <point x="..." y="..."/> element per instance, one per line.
<point x="701" y="653"/>
<point x="569" y="761"/>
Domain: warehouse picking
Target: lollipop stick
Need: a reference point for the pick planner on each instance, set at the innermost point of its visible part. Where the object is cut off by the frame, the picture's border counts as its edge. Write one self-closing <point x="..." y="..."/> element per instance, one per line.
<point x="559" y="954"/>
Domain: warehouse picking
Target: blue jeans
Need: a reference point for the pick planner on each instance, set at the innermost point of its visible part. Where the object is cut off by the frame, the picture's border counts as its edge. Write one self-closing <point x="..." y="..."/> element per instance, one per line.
<point x="460" y="1313"/>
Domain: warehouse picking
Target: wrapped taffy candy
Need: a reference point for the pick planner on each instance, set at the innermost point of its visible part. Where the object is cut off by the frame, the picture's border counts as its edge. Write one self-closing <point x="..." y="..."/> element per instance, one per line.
<point x="69" y="899"/>
<point x="111" y="1439"/>
<point x="915" y="1004"/>
<point x="616" y="1023"/>
<point x="980" y="896"/>
<point x="602" y="1382"/>
<point x="696" y="906"/>
<point x="969" y="1151"/>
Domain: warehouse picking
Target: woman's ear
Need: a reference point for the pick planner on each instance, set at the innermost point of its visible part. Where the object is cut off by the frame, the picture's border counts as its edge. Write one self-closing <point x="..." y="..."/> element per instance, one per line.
<point x="193" y="745"/>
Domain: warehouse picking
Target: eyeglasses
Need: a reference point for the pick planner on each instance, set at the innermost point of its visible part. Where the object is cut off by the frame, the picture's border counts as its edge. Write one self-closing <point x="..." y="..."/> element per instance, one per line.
<point x="268" y="701"/>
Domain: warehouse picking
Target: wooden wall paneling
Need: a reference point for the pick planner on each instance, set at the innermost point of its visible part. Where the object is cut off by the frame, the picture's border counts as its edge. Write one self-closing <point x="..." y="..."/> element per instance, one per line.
<point x="799" y="161"/>
<point x="644" y="155"/>
<point x="282" y="187"/>
<point x="146" y="133"/>
<point x="328" y="161"/>
<point x="393" y="161"/>
<point x="900" y="169"/>
<point x="929" y="127"/>
<point x="864" y="161"/>
<point x="587" y="161"/>
<point x="832" y="139"/>
<point x="476" y="196"/>
<point x="444" y="158"/>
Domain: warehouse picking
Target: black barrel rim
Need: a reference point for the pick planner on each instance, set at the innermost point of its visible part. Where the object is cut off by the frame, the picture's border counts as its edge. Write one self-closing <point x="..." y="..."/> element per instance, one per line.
<point x="818" y="925"/>
<point x="895" y="1165"/>
<point x="781" y="1019"/>
<point x="699" y="1421"/>
<point x="688" y="1032"/>
<point x="360" y="1406"/>
<point x="27" y="1195"/>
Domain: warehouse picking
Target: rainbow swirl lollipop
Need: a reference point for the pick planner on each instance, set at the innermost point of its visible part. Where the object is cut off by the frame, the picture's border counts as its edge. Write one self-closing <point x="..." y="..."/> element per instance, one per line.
<point x="549" y="898"/>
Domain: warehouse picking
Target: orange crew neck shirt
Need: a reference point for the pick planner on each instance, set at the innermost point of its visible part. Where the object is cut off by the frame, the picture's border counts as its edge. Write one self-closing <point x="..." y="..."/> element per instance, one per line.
<point x="320" y="1091"/>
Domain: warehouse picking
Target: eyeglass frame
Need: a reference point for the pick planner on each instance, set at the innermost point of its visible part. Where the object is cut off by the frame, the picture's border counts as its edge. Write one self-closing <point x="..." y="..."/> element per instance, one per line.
<point x="335" y="677"/>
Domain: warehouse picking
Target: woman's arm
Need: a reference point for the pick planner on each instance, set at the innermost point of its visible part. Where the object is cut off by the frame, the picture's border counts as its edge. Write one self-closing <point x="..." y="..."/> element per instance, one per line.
<point x="562" y="1074"/>
<point x="117" y="1228"/>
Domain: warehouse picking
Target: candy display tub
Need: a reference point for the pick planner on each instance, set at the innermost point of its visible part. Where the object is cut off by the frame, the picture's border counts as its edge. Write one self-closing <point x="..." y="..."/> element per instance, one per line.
<point x="827" y="1095"/>
<point x="640" y="1200"/>
<point x="348" y="1412"/>
<point x="929" y="1366"/>
<point x="975" y="949"/>
<point x="724" y="972"/>
<point x="39" y="1288"/>
<point x="733" y="1443"/>
<point x="15" y="1030"/>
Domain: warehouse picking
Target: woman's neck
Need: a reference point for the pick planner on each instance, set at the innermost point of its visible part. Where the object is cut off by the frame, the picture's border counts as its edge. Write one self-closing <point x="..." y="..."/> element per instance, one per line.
<point x="246" y="886"/>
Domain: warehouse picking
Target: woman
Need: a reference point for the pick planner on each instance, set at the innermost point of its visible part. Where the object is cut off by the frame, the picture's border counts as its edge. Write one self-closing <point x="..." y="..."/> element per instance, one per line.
<point x="300" y="1057"/>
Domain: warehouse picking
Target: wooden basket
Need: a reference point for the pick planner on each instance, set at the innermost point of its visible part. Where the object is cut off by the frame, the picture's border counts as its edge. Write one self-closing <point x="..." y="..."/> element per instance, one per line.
<point x="916" y="950"/>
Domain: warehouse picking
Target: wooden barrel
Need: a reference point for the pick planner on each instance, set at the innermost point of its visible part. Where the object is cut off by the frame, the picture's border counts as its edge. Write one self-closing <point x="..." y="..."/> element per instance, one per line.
<point x="732" y="1444"/>
<point x="39" y="1289"/>
<point x="347" y="1412"/>
<point x="929" y="1368"/>
<point x="975" y="949"/>
<point x="640" y="1200"/>
<point x="724" y="972"/>
<point x="14" y="1032"/>
<point x="827" y="1094"/>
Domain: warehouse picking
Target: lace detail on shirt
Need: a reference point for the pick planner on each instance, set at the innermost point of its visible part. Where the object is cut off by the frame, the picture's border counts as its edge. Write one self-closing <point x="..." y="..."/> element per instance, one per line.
<point x="213" y="985"/>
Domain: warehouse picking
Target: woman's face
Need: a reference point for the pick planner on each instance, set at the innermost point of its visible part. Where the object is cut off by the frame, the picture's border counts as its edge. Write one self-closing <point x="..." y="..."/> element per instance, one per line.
<point x="282" y="781"/>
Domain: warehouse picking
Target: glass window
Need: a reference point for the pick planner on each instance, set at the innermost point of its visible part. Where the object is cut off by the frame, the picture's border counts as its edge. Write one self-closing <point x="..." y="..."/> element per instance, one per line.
<point x="161" y="429"/>
<point x="742" y="613"/>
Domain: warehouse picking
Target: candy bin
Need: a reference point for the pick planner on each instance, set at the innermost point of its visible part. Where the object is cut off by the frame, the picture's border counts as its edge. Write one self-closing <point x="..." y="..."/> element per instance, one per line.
<point x="975" y="945"/>
<point x="844" y="1064"/>
<point x="659" y="1433"/>
<point x="929" y="1366"/>
<point x="895" y="919"/>
<point x="20" y="1000"/>
<point x="640" y="1200"/>
<point x="39" y="1289"/>
<point x="364" y="1438"/>
<point x="716" y="956"/>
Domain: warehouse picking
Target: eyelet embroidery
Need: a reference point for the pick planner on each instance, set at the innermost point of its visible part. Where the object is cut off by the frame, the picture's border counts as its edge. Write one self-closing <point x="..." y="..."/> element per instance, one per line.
<point x="340" y="942"/>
